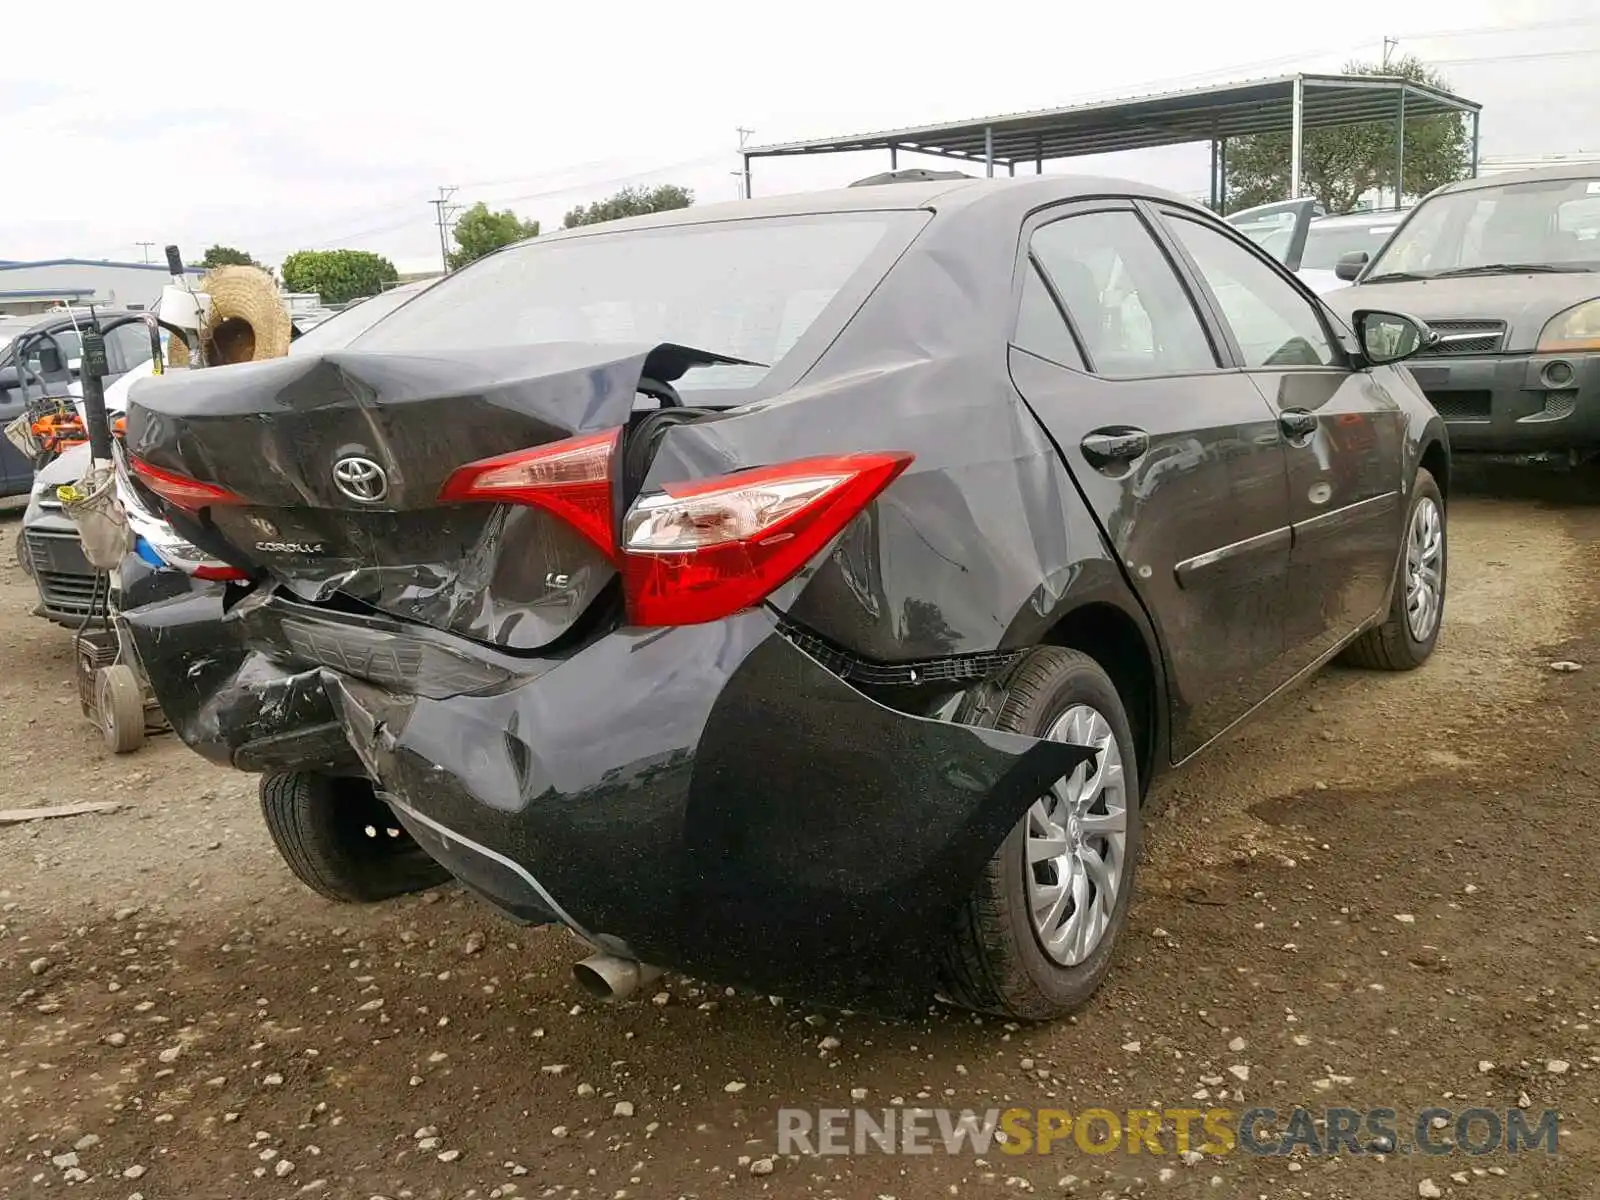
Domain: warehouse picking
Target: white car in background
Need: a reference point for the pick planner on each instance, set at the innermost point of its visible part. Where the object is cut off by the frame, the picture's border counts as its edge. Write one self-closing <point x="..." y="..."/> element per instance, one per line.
<point x="1303" y="238"/>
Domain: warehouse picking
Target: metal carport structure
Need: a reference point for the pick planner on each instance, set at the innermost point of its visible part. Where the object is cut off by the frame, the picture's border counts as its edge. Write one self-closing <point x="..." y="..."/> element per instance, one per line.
<point x="1286" y="103"/>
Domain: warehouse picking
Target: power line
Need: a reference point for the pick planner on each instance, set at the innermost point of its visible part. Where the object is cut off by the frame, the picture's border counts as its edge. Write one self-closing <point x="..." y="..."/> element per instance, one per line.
<point x="584" y="186"/>
<point x="1513" y="27"/>
<point x="620" y="180"/>
<point x="145" y="246"/>
<point x="1325" y="51"/>
<point x="409" y="222"/>
<point x="1529" y="57"/>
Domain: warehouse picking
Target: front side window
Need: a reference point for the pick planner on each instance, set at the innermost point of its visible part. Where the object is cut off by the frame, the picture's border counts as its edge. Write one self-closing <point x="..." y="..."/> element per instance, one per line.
<point x="747" y="289"/>
<point x="1273" y="323"/>
<point x="1125" y="300"/>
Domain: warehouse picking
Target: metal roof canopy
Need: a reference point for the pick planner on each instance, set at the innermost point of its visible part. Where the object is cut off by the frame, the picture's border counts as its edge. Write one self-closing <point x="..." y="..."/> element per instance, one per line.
<point x="1285" y="104"/>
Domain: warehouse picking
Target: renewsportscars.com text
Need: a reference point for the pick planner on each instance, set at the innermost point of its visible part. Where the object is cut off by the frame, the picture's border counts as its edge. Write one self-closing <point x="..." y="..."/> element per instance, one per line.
<point x="1180" y="1131"/>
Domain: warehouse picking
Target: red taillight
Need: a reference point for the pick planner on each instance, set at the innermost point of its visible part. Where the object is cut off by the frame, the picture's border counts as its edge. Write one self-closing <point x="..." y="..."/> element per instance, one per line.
<point x="219" y="574"/>
<point x="704" y="550"/>
<point x="696" y="551"/>
<point x="188" y="494"/>
<point x="570" y="479"/>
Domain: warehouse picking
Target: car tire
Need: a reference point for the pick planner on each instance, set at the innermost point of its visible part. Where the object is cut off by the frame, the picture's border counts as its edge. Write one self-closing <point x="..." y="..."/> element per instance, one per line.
<point x="341" y="841"/>
<point x="24" y="559"/>
<point x="1394" y="645"/>
<point x="119" y="701"/>
<point x="996" y="960"/>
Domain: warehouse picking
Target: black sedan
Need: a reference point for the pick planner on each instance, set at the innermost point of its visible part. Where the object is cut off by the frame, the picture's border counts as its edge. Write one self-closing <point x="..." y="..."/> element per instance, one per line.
<point x="801" y="592"/>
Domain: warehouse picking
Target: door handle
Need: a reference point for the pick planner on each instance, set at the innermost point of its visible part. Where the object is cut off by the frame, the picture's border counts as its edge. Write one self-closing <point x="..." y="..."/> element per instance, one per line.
<point x="1122" y="444"/>
<point x="1297" y="423"/>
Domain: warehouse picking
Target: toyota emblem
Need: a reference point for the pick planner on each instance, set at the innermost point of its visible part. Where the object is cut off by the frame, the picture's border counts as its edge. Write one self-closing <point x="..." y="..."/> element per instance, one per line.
<point x="360" y="479"/>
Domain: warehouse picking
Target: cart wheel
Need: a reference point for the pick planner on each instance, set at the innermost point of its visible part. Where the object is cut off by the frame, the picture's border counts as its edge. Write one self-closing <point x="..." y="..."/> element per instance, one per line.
<point x="120" y="700"/>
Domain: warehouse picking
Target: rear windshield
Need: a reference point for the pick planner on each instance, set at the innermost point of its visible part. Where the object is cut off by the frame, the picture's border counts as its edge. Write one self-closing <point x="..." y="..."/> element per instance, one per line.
<point x="747" y="289"/>
<point x="339" y="329"/>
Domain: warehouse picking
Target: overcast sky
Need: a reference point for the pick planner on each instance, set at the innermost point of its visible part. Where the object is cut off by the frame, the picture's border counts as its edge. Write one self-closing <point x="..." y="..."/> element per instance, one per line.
<point x="296" y="125"/>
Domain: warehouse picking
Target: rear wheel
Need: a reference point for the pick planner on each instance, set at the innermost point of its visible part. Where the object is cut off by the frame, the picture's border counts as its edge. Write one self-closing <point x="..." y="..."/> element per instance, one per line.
<point x="341" y="841"/>
<point x="1409" y="632"/>
<point x="1038" y="934"/>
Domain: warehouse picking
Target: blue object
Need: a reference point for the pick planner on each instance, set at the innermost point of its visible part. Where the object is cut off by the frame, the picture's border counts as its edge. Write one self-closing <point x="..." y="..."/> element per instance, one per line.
<point x="148" y="553"/>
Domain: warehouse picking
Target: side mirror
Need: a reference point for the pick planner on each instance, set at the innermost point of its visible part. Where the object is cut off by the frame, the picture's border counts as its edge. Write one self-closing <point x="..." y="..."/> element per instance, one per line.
<point x="1388" y="337"/>
<point x="1350" y="265"/>
<point x="45" y="360"/>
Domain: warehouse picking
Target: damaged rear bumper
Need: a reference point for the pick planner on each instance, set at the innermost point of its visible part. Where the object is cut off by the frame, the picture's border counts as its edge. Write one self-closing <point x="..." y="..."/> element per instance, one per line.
<point x="707" y="797"/>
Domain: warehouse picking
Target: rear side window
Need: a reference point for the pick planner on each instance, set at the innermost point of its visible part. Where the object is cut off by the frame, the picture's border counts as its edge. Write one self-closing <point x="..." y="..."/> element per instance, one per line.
<point x="748" y="289"/>
<point x="1041" y="329"/>
<point x="1125" y="301"/>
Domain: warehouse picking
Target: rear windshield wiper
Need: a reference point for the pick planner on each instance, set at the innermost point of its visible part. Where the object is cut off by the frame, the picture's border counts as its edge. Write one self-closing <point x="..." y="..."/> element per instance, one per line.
<point x="1513" y="269"/>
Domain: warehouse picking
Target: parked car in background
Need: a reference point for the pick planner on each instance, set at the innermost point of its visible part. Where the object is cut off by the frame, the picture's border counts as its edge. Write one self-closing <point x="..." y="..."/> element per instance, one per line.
<point x="840" y="668"/>
<point x="52" y="370"/>
<point x="1506" y="269"/>
<point x="47" y="545"/>
<point x="1300" y="235"/>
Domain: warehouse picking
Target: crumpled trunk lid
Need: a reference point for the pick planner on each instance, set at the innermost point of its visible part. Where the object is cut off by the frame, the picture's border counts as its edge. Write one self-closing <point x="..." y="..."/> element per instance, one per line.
<point x="340" y="457"/>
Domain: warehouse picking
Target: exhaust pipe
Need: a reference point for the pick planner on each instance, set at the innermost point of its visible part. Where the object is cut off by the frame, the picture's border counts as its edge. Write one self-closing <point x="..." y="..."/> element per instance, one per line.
<point x="612" y="977"/>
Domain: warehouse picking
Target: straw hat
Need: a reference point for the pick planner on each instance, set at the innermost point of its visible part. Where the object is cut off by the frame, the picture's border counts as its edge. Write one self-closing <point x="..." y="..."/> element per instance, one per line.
<point x="248" y="321"/>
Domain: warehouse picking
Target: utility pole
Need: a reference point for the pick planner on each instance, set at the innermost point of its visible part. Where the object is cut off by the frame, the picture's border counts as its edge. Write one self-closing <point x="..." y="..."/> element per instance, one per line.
<point x="145" y="246"/>
<point x="743" y="174"/>
<point x="443" y="211"/>
<point x="1391" y="44"/>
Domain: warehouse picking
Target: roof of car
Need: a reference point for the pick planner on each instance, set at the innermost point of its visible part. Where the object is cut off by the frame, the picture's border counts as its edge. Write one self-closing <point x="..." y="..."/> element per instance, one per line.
<point x="1377" y="217"/>
<point x="1579" y="170"/>
<point x="1030" y="191"/>
<point x="62" y="316"/>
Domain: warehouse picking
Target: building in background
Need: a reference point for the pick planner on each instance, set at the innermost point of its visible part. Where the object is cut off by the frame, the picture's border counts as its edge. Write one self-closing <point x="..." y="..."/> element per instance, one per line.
<point x="35" y="287"/>
<point x="1498" y="164"/>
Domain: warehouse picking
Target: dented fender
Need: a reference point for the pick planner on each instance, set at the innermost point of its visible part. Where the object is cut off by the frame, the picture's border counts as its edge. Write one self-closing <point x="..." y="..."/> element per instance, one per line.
<point x="752" y="818"/>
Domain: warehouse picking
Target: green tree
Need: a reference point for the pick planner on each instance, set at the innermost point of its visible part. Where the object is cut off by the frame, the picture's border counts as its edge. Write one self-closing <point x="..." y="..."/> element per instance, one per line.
<point x="227" y="256"/>
<point x="1341" y="164"/>
<point x="338" y="276"/>
<point x="479" y="231"/>
<point x="630" y="202"/>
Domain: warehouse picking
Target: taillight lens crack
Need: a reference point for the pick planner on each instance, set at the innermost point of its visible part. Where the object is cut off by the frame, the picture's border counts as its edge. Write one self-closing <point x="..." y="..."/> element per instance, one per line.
<point x="570" y="479"/>
<point x="698" y="550"/>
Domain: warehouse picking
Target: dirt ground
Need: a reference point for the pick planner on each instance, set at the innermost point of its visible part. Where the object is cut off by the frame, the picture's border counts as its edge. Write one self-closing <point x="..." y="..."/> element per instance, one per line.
<point x="1379" y="895"/>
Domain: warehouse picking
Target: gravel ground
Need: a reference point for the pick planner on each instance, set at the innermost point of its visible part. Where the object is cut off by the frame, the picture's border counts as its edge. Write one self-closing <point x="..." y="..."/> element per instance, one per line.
<point x="1378" y="895"/>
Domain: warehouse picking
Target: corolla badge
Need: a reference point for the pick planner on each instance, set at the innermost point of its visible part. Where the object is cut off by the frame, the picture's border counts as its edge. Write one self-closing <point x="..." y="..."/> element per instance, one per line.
<point x="360" y="479"/>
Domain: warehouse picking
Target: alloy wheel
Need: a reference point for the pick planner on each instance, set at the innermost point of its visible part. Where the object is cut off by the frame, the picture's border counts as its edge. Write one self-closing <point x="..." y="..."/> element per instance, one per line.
<point x="1076" y="844"/>
<point x="1424" y="569"/>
